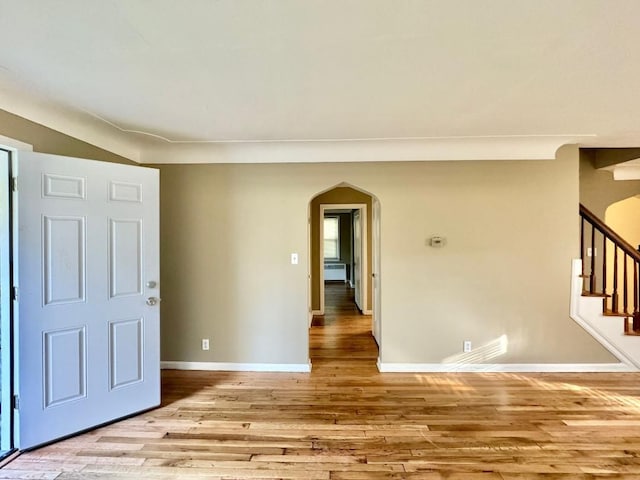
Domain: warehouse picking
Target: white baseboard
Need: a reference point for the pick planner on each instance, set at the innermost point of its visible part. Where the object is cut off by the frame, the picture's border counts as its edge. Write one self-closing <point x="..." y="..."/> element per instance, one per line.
<point x="367" y="312"/>
<point x="238" y="367"/>
<point x="503" y="367"/>
<point x="317" y="312"/>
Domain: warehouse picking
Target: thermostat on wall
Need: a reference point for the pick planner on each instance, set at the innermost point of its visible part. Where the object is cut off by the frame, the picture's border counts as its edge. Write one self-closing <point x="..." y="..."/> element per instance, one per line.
<point x="437" y="241"/>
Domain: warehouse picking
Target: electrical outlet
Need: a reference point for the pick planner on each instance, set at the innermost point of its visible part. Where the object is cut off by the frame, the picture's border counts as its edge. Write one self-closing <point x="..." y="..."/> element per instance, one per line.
<point x="205" y="344"/>
<point x="466" y="346"/>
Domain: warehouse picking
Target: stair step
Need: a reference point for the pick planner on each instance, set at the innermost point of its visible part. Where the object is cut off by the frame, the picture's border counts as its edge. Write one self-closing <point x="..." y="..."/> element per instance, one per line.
<point x="586" y="293"/>
<point x="633" y="333"/>
<point x="611" y="313"/>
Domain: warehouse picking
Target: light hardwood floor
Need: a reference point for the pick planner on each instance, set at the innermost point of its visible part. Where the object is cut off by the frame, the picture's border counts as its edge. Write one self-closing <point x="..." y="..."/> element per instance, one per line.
<point x="347" y="421"/>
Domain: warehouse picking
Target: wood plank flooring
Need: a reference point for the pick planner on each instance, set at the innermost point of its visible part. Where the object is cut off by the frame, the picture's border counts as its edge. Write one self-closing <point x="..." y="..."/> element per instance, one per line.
<point x="346" y="421"/>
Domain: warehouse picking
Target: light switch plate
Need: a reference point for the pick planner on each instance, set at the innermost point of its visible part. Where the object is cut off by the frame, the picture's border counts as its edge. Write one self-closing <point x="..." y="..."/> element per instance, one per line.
<point x="294" y="259"/>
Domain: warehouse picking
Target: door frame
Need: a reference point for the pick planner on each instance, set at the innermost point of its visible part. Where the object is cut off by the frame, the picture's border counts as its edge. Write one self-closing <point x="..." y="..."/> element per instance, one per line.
<point x="9" y="338"/>
<point x="365" y="250"/>
<point x="6" y="316"/>
<point x="376" y="320"/>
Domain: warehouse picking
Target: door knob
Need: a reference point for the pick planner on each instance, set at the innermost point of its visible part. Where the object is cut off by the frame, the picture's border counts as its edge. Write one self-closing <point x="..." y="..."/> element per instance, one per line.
<point x="151" y="301"/>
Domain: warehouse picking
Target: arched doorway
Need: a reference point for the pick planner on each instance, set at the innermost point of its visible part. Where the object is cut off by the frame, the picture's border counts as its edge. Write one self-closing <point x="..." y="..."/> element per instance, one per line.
<point x="350" y="254"/>
<point x="624" y="218"/>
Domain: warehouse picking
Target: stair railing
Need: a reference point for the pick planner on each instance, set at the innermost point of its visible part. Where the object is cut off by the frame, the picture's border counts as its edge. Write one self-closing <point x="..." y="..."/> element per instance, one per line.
<point x="610" y="261"/>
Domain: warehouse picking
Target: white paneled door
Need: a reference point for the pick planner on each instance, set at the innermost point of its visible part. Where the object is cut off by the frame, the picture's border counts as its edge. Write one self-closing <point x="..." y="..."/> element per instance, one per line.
<point x="88" y="297"/>
<point x="357" y="259"/>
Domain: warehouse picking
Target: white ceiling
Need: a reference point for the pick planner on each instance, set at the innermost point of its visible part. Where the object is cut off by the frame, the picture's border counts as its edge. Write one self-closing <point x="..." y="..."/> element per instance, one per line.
<point x="502" y="78"/>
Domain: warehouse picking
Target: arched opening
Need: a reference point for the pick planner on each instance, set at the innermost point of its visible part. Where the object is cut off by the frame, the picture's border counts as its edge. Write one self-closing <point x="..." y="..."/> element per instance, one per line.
<point x="624" y="218"/>
<point x="344" y="256"/>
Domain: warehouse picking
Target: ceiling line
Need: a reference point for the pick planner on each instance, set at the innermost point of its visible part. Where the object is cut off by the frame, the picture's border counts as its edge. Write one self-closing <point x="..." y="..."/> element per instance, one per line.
<point x="333" y="140"/>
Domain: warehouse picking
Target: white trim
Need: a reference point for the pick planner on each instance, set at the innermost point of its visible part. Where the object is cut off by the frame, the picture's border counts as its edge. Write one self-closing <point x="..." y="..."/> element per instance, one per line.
<point x="237" y="367"/>
<point x="15" y="253"/>
<point x="149" y="147"/>
<point x="79" y="124"/>
<point x="5" y="297"/>
<point x="316" y="312"/>
<point x="626" y="172"/>
<point x="502" y="367"/>
<point x="497" y="147"/>
<point x="309" y="264"/>
<point x="367" y="312"/>
<point x="376" y="318"/>
<point x="364" y="261"/>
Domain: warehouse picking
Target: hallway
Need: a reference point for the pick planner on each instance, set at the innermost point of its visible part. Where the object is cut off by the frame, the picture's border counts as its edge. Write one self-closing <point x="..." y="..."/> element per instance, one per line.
<point x="341" y="338"/>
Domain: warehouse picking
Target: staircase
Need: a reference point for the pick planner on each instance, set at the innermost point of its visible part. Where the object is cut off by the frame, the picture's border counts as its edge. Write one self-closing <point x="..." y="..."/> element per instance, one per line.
<point x="610" y="268"/>
<point x="604" y="287"/>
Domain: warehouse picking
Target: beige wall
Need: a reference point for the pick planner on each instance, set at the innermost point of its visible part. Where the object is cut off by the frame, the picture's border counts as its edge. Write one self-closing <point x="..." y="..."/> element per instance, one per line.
<point x="337" y="195"/>
<point x="228" y="231"/>
<point x="47" y="140"/>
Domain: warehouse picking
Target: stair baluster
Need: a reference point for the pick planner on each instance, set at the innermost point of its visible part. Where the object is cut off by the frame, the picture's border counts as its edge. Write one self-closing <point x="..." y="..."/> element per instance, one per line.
<point x="622" y="251"/>
<point x="592" y="283"/>
<point x="614" y="295"/>
<point x="625" y="303"/>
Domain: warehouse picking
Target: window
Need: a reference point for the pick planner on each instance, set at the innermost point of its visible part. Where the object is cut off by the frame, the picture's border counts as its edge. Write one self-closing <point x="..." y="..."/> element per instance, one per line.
<point x="331" y="238"/>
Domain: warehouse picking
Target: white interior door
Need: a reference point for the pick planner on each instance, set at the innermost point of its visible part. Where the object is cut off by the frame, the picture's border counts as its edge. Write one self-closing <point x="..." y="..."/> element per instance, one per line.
<point x="375" y="214"/>
<point x="88" y="320"/>
<point x="357" y="258"/>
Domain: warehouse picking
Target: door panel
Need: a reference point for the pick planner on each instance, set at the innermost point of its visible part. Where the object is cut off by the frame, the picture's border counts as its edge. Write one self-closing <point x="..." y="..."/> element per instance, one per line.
<point x="88" y="341"/>
<point x="65" y="366"/>
<point x="357" y="258"/>
<point x="64" y="259"/>
<point x="126" y="352"/>
<point x="125" y="257"/>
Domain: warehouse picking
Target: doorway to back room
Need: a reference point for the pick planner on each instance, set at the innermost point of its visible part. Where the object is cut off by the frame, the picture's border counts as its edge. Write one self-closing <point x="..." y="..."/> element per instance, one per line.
<point x="344" y="270"/>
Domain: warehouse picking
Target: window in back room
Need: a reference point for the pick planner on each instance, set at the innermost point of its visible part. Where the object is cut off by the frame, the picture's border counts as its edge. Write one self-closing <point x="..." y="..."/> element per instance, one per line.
<point x="331" y="238"/>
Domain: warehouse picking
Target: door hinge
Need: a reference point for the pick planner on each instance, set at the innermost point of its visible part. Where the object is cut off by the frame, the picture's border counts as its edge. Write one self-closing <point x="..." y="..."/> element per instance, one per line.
<point x="16" y="402"/>
<point x="14" y="184"/>
<point x="14" y="293"/>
